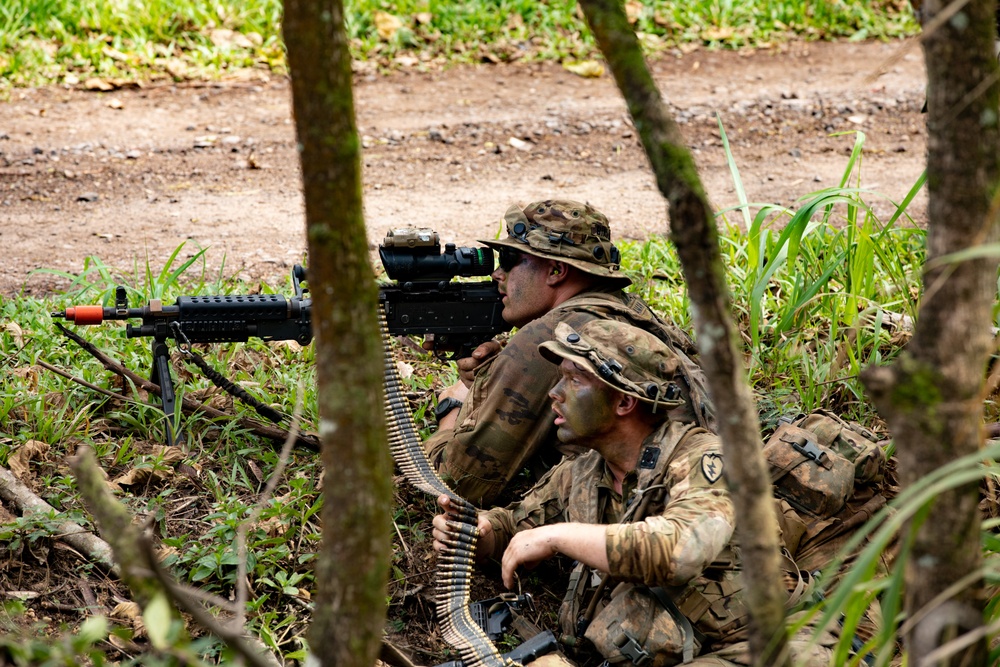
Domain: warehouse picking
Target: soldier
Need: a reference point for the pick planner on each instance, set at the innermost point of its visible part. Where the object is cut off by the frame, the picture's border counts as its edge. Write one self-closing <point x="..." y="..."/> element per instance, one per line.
<point x="646" y="505"/>
<point x="557" y="264"/>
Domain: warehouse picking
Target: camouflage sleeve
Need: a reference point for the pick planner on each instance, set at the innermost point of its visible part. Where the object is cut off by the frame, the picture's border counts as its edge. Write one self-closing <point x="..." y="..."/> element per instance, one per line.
<point x="543" y="504"/>
<point x="506" y="417"/>
<point x="695" y="526"/>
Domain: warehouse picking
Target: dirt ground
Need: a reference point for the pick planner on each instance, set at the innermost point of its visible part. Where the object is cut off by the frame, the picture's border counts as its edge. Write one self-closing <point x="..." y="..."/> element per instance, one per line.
<point x="130" y="174"/>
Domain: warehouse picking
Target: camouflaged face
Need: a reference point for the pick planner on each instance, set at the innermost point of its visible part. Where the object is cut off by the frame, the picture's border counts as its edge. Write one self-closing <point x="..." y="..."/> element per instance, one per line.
<point x="624" y="357"/>
<point x="569" y="231"/>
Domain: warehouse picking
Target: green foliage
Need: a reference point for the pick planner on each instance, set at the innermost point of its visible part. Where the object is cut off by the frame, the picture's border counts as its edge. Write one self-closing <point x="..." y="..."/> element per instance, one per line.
<point x="51" y="41"/>
<point x="818" y="292"/>
<point x="233" y="464"/>
<point x="66" y="650"/>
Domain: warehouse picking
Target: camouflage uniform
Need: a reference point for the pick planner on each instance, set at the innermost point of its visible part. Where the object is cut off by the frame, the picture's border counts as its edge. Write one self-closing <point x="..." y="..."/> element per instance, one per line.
<point x="669" y="530"/>
<point x="674" y="544"/>
<point x="506" y="419"/>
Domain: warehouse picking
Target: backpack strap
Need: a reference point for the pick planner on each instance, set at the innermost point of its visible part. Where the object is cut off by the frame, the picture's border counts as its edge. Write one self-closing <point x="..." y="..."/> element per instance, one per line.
<point x="682" y="622"/>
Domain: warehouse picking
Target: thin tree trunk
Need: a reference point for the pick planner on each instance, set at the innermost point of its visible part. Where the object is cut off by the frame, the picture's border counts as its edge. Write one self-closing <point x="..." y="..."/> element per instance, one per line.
<point x="932" y="396"/>
<point x="353" y="563"/>
<point x="693" y="231"/>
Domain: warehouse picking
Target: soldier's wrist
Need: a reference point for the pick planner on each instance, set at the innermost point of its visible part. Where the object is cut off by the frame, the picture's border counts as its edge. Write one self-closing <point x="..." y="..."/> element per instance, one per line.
<point x="445" y="406"/>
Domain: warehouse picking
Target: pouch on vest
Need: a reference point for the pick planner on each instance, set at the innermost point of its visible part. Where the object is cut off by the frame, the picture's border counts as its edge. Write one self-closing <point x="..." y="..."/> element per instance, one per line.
<point x="811" y="477"/>
<point x="635" y="628"/>
<point x="851" y="440"/>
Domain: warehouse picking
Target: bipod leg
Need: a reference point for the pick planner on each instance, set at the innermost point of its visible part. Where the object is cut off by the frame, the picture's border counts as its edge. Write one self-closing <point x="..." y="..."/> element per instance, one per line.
<point x="161" y="376"/>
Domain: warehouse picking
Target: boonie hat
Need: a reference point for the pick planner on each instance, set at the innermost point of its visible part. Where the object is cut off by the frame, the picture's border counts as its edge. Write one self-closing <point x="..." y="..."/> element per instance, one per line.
<point x="623" y="356"/>
<point x="569" y="231"/>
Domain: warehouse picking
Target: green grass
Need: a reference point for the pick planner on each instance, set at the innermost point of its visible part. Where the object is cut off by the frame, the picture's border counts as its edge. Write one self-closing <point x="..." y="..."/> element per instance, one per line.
<point x="814" y="289"/>
<point x="63" y="41"/>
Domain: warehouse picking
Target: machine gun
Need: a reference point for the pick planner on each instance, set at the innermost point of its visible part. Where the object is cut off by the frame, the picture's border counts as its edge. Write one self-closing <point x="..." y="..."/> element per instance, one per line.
<point x="423" y="300"/>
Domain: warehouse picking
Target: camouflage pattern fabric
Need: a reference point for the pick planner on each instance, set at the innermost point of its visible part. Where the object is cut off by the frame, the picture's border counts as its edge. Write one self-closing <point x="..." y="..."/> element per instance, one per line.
<point x="569" y="231"/>
<point x="806" y="651"/>
<point x="625" y="358"/>
<point x="507" y="419"/>
<point x="681" y="543"/>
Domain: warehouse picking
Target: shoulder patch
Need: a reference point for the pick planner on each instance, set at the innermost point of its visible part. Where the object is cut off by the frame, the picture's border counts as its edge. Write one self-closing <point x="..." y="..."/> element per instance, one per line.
<point x="711" y="466"/>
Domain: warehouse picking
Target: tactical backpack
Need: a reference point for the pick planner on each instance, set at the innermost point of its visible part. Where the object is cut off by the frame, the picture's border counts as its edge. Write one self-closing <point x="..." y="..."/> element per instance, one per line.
<point x="829" y="477"/>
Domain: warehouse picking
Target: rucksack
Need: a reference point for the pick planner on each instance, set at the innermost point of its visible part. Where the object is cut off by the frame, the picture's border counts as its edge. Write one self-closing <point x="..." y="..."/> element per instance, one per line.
<point x="829" y="477"/>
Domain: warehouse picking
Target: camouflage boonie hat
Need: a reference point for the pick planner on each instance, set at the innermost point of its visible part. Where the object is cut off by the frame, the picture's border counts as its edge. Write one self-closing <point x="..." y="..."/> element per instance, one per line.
<point x="623" y="356"/>
<point x="569" y="231"/>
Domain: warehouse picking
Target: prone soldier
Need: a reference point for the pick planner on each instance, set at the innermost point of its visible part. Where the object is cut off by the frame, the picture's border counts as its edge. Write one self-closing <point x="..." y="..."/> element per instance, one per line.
<point x="556" y="265"/>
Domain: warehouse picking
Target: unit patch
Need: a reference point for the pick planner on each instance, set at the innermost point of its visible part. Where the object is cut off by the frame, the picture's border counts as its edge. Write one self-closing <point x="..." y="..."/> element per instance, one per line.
<point x="649" y="457"/>
<point x="711" y="466"/>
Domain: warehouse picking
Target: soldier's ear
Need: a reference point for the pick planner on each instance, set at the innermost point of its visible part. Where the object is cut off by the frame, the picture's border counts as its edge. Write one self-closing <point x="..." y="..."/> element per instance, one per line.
<point x="558" y="272"/>
<point x="626" y="404"/>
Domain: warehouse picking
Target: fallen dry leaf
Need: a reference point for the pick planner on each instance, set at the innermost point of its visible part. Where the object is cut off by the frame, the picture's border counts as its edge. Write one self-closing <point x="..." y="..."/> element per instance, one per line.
<point x="15" y="331"/>
<point x="137" y="476"/>
<point x="387" y="25"/>
<point x="20" y="461"/>
<point x="586" y="68"/>
<point x="223" y="37"/>
<point x="718" y="33"/>
<point x="114" y="54"/>
<point x="404" y="369"/>
<point x="633" y="10"/>
<point x="97" y="84"/>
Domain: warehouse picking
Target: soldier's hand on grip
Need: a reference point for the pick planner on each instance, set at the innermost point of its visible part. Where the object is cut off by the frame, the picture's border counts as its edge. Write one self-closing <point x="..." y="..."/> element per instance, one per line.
<point x="467" y="365"/>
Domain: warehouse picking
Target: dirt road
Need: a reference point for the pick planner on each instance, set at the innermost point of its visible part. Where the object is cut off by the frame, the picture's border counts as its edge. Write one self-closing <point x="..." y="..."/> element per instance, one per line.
<point x="129" y="175"/>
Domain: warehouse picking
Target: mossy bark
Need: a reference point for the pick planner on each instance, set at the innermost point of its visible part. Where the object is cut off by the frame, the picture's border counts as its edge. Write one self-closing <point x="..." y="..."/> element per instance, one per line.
<point x="932" y="396"/>
<point x="353" y="563"/>
<point x="115" y="523"/>
<point x="693" y="231"/>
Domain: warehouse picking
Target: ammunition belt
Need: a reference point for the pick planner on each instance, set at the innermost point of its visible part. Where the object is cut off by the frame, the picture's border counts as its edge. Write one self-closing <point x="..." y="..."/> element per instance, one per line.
<point x="455" y="563"/>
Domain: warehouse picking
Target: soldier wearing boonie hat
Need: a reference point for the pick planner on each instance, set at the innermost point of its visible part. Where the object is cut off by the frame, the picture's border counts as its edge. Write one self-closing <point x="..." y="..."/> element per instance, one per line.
<point x="645" y="507"/>
<point x="575" y="233"/>
<point x="557" y="264"/>
<point x="624" y="358"/>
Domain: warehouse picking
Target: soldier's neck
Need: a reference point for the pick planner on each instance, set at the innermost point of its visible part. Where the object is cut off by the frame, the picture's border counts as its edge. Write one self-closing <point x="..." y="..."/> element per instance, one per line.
<point x="624" y="457"/>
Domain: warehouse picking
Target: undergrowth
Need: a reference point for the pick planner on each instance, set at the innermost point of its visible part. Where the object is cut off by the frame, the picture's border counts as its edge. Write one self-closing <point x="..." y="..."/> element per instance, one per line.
<point x="100" y="44"/>
<point x="819" y="291"/>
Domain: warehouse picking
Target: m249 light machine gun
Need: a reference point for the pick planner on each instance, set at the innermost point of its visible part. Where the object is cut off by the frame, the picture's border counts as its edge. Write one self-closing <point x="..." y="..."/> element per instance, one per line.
<point x="423" y="300"/>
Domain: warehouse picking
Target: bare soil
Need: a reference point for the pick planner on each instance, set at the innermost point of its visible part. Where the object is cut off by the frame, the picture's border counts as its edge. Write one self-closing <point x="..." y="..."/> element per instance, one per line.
<point x="129" y="175"/>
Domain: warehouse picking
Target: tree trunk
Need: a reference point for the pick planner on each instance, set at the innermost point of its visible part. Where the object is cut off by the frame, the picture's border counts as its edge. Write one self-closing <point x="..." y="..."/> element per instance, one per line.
<point x="931" y="396"/>
<point x="693" y="231"/>
<point x="353" y="563"/>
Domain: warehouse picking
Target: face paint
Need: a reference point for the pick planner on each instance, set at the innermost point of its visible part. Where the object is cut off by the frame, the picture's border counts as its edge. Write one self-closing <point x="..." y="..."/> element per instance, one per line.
<point x="584" y="406"/>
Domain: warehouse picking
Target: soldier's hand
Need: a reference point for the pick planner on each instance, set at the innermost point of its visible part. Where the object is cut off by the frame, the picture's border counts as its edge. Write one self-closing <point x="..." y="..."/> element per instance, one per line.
<point x="528" y="548"/>
<point x="440" y="529"/>
<point x="467" y="365"/>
